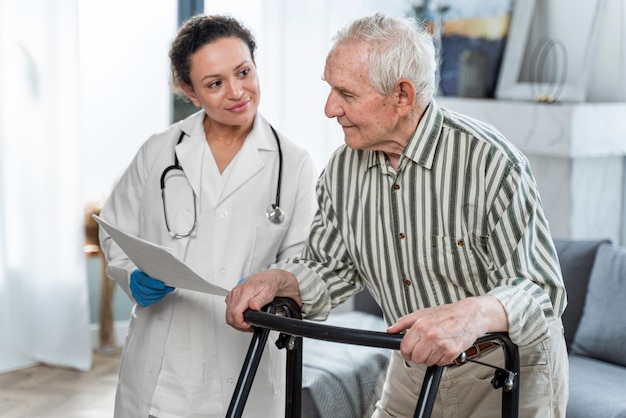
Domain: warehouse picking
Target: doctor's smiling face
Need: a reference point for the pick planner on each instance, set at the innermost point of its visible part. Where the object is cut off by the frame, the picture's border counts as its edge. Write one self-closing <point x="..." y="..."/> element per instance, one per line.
<point x="224" y="82"/>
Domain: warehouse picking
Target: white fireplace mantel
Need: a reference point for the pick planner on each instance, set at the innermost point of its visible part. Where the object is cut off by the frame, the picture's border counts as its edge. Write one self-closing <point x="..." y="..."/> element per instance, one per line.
<point x="560" y="129"/>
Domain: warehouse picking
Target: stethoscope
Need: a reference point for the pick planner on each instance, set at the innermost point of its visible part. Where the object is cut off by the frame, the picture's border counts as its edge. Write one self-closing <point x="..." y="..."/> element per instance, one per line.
<point x="273" y="212"/>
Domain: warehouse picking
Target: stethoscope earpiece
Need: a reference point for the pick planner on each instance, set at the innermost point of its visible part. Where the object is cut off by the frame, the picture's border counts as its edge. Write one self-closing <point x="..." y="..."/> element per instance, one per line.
<point x="275" y="214"/>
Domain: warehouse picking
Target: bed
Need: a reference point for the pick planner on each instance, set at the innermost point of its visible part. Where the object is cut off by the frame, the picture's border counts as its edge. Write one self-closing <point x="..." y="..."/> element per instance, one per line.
<point x="343" y="380"/>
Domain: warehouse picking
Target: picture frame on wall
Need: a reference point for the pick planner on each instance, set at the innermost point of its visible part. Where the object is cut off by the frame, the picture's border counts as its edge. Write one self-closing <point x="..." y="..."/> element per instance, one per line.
<point x="469" y="36"/>
<point x="548" y="33"/>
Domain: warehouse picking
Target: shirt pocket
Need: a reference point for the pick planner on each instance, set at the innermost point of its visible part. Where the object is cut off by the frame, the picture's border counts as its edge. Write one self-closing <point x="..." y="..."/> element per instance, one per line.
<point x="266" y="246"/>
<point x="452" y="264"/>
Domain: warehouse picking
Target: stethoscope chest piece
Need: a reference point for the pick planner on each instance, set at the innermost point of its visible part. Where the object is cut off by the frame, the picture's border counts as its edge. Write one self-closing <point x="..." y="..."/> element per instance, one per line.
<point x="275" y="214"/>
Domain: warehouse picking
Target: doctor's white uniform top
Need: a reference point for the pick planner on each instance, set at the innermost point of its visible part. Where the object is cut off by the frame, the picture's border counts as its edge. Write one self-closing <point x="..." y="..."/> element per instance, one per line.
<point x="180" y="358"/>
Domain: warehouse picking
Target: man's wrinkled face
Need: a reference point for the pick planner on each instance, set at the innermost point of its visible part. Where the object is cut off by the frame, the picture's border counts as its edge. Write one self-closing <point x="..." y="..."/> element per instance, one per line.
<point x="365" y="115"/>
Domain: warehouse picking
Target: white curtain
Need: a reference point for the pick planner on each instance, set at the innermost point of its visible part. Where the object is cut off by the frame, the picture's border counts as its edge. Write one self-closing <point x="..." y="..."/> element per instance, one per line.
<point x="43" y="288"/>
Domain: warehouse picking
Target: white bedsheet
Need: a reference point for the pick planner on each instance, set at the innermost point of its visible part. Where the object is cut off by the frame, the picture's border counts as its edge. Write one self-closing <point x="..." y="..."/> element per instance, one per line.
<point x="343" y="380"/>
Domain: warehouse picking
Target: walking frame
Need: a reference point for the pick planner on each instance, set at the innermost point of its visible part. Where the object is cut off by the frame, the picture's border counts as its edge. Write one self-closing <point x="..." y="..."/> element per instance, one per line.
<point x="284" y="315"/>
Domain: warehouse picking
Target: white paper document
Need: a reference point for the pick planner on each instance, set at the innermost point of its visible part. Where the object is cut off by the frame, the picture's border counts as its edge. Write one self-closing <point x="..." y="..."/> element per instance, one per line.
<point x="159" y="262"/>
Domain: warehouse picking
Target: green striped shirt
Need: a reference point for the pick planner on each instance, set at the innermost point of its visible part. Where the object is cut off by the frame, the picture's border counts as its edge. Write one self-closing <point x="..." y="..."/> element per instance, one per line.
<point x="461" y="216"/>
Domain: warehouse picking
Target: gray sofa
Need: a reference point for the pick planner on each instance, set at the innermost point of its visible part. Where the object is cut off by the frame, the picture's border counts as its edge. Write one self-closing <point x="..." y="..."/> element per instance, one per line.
<point x="340" y="380"/>
<point x="595" y="327"/>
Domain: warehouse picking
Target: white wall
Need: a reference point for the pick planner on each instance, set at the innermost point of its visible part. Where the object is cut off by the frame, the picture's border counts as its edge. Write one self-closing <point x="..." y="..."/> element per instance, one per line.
<point x="607" y="81"/>
<point x="123" y="83"/>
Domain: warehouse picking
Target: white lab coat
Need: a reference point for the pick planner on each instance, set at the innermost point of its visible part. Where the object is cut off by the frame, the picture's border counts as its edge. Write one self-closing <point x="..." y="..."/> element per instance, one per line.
<point x="180" y="358"/>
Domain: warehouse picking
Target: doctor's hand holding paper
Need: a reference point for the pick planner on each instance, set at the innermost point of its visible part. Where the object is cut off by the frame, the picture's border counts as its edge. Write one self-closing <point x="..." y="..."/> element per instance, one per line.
<point x="146" y="290"/>
<point x="229" y="196"/>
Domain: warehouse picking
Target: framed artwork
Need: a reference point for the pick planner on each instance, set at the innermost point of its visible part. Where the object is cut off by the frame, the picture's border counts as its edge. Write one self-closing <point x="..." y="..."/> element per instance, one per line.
<point x="547" y="34"/>
<point x="472" y="35"/>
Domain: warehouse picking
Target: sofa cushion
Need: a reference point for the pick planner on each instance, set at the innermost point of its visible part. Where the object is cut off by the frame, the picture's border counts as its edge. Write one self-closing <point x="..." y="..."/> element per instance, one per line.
<point x="596" y="389"/>
<point x="576" y="258"/>
<point x="601" y="333"/>
<point x="365" y="302"/>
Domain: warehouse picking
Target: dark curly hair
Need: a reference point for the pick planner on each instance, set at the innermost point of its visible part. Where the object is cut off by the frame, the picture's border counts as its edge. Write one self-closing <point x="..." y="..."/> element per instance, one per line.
<point x="195" y="33"/>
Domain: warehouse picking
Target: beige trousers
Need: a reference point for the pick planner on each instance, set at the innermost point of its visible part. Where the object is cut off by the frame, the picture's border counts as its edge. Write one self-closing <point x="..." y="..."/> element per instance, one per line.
<point x="465" y="391"/>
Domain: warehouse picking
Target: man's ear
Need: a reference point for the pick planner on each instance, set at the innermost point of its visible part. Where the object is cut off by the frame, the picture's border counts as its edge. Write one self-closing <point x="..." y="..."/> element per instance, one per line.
<point x="188" y="90"/>
<point x="405" y="96"/>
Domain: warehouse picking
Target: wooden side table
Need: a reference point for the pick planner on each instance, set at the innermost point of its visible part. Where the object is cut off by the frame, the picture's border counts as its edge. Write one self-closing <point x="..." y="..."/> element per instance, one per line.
<point x="106" y="334"/>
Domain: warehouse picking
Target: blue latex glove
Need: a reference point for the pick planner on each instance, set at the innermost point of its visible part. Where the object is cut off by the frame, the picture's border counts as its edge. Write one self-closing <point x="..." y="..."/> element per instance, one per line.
<point x="147" y="290"/>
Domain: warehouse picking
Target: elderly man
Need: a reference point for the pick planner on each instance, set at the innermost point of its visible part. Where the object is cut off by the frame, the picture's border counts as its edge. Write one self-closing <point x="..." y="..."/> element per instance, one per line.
<point x="439" y="216"/>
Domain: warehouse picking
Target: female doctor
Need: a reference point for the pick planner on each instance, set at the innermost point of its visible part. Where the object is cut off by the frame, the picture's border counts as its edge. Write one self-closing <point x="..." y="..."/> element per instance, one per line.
<point x="230" y="196"/>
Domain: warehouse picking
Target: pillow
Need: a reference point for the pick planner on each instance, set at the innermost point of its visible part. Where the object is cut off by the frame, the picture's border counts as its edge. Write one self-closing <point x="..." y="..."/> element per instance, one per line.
<point x="576" y="258"/>
<point x="601" y="333"/>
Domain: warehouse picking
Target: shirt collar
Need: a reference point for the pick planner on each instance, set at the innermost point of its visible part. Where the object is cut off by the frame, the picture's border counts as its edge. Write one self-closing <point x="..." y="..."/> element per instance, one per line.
<point x="260" y="136"/>
<point x="421" y="148"/>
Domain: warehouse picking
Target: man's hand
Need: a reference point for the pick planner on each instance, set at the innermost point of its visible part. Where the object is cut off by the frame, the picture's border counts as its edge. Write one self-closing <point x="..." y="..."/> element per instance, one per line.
<point x="257" y="291"/>
<point x="439" y="334"/>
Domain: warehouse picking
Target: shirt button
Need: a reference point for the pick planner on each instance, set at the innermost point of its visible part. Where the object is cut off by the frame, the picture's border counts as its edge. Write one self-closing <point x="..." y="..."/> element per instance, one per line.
<point x="396" y="187"/>
<point x="222" y="271"/>
<point x="230" y="381"/>
<point x="224" y="214"/>
<point x="408" y="282"/>
<point x="402" y="236"/>
<point x="460" y="243"/>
